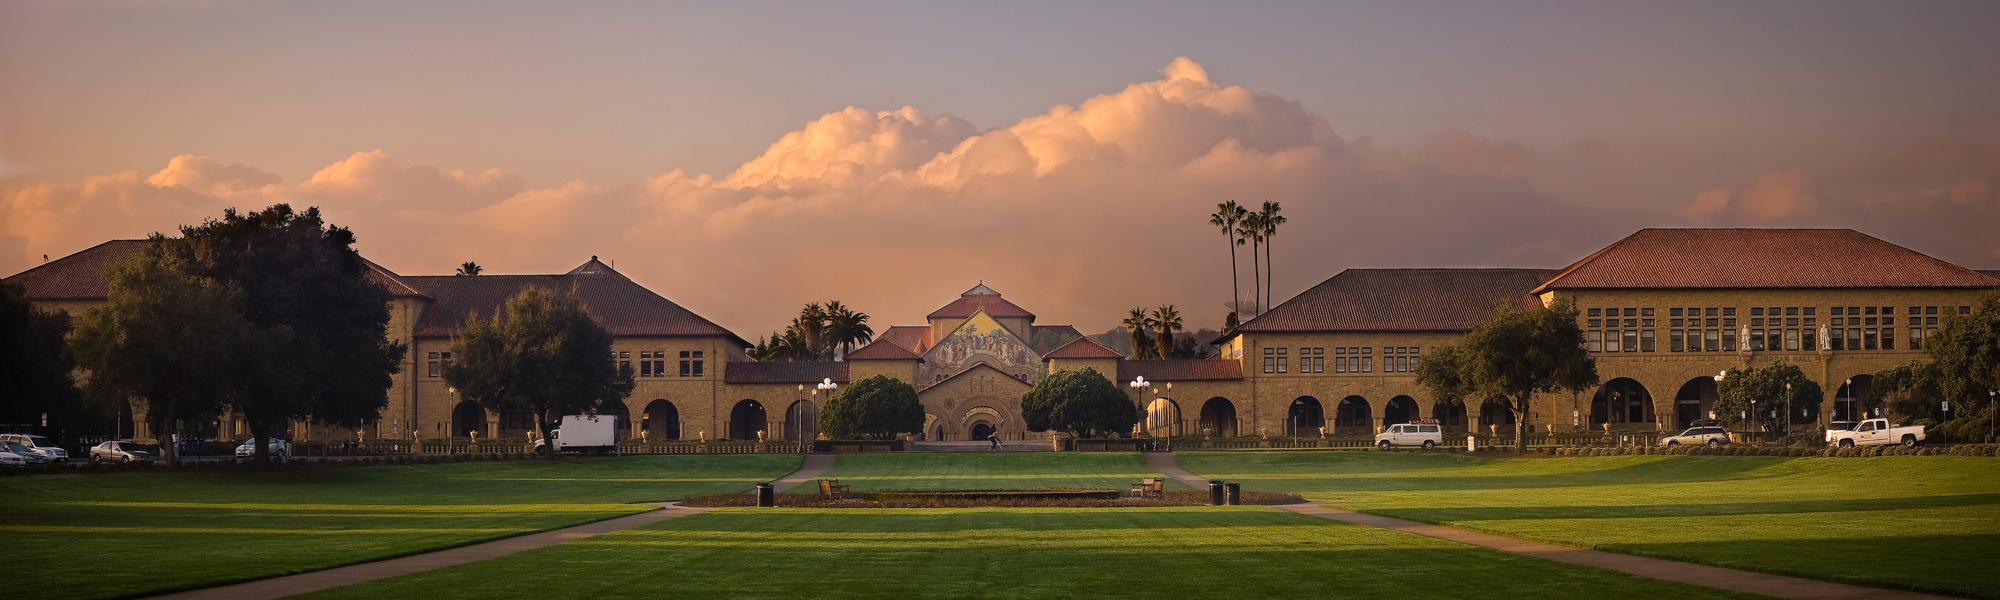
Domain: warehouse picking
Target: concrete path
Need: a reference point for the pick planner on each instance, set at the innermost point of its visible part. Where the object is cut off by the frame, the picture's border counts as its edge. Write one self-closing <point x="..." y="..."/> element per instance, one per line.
<point x="814" y="466"/>
<point x="292" y="585"/>
<point x="1777" y="586"/>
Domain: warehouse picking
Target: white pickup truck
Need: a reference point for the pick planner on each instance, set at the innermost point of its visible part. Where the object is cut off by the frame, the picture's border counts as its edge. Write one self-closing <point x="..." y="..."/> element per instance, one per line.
<point x="1875" y="432"/>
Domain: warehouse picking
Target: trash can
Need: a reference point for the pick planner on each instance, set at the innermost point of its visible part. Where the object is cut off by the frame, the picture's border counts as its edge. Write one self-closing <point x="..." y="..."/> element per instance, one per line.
<point x="1235" y="493"/>
<point x="767" y="496"/>
<point x="1215" y="492"/>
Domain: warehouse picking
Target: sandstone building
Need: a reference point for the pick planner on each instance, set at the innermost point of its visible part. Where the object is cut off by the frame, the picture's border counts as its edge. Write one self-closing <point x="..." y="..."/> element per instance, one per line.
<point x="1664" y="310"/>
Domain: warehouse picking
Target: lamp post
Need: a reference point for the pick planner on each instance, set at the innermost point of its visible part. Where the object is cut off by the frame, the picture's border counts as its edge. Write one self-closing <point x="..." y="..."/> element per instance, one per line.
<point x="1139" y="386"/>
<point x="1719" y="376"/>
<point x="1945" y="405"/>
<point x="825" y="385"/>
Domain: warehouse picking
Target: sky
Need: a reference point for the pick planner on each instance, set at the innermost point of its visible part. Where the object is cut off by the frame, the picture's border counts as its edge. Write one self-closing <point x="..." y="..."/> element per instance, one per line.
<point x="744" y="158"/>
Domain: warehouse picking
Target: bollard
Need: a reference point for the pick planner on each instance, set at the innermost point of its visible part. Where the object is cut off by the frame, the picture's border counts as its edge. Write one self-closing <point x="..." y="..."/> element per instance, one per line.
<point x="1235" y="493"/>
<point x="767" y="496"/>
<point x="1215" y="492"/>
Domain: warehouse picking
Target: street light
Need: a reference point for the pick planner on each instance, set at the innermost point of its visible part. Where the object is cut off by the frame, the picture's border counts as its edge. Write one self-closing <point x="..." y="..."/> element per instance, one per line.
<point x="1946" y="406"/>
<point x="1139" y="386"/>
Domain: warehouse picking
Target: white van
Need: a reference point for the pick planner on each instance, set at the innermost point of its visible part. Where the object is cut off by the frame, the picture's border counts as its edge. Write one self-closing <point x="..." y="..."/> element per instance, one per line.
<point x="1427" y="433"/>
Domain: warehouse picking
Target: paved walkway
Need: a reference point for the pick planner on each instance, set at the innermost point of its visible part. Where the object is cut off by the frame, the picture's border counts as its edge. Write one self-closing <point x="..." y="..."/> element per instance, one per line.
<point x="305" y="583"/>
<point x="292" y="585"/>
<point x="1778" y="586"/>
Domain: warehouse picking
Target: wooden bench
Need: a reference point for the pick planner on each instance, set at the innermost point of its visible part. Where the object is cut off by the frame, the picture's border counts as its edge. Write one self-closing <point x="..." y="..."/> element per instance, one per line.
<point x="832" y="489"/>
<point x="1149" y="487"/>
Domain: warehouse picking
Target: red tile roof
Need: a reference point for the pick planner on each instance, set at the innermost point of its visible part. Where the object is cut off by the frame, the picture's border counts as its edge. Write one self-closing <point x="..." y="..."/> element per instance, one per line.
<point x="624" y="307"/>
<point x="881" y="349"/>
<point x="1083" y="347"/>
<point x="1759" y="258"/>
<point x="1399" y="300"/>
<point x="1190" y="369"/>
<point x="1994" y="273"/>
<point x="784" y="372"/>
<point x="976" y="299"/>
<point x="915" y="338"/>
<point x="79" y="276"/>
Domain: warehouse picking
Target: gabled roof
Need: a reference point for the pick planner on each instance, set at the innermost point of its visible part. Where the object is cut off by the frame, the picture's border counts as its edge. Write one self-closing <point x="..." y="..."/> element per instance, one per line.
<point x="389" y="280"/>
<point x="1759" y="258"/>
<point x="1083" y="347"/>
<point x="784" y="372"/>
<point x="915" y="338"/>
<point x="881" y="349"/>
<point x="79" y="276"/>
<point x="980" y="298"/>
<point x="1994" y="273"/>
<point x="623" y="306"/>
<point x="1187" y="369"/>
<point x="975" y="367"/>
<point x="1399" y="300"/>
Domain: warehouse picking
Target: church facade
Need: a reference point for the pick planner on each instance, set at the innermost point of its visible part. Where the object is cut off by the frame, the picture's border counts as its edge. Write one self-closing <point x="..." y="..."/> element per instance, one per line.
<point x="1664" y="310"/>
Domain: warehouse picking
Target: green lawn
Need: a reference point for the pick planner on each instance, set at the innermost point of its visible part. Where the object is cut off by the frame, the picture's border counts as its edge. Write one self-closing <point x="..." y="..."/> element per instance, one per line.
<point x="991" y="470"/>
<point x="1221" y="552"/>
<point x="131" y="534"/>
<point x="1913" y="522"/>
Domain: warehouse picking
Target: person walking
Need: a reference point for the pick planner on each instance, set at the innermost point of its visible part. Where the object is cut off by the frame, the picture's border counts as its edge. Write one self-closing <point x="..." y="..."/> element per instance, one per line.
<point x="995" y="438"/>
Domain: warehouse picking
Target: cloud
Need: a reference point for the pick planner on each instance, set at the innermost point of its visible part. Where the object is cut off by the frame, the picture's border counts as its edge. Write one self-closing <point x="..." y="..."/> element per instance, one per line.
<point x="1077" y="213"/>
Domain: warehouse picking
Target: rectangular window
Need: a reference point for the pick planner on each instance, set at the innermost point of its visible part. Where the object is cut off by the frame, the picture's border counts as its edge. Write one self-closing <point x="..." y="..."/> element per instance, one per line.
<point x="1595" y="323"/>
<point x="1791" y="340"/>
<point x="1712" y="323"/>
<point x="434" y="367"/>
<point x="1869" y="310"/>
<point x="1930" y="310"/>
<point x="1711" y="340"/>
<point x="1673" y="312"/>
<point x="624" y="366"/>
<point x="1757" y="312"/>
<point x="1270" y="366"/>
<point x="1729" y="311"/>
<point x="1756" y="322"/>
<point x="1596" y="312"/>
<point x="1839" y="310"/>
<point x="1868" y="339"/>
<point x="1631" y="322"/>
<point x="687" y="365"/>
<point x="1729" y="322"/>
<point x="1930" y="332"/>
<point x="1413" y="363"/>
<point x="645" y="368"/>
<point x="1853" y="338"/>
<point x="1930" y="320"/>
<point x="1964" y="310"/>
<point x="1319" y="364"/>
<point x="1646" y="323"/>
<point x="1791" y="311"/>
<point x="1728" y="340"/>
<point x="1812" y="310"/>
<point x="1646" y="340"/>
<point x="1611" y="341"/>
<point x="1871" y="321"/>
<point x="1631" y="340"/>
<point x="659" y="366"/>
<point x="1403" y="364"/>
<point x="1676" y="341"/>
<point x="1631" y="312"/>
<point x="1711" y="312"/>
<point x="1282" y="367"/>
<point x="1367" y="364"/>
<point x="626" y="354"/>
<point x="1836" y="340"/>
<point x="1916" y="338"/>
<point x="1791" y="322"/>
<point x="1340" y="364"/>
<point x="1888" y="338"/>
<point x="1756" y="340"/>
<point x="1811" y="339"/>
<point x="1645" y="312"/>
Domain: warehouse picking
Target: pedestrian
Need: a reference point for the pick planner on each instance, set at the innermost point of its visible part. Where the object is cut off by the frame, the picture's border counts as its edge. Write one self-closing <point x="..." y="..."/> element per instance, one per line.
<point x="995" y="438"/>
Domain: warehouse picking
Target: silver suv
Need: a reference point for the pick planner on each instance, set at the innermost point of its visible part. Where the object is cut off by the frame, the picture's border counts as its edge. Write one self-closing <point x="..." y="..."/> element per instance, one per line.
<point x="1714" y="437"/>
<point x="36" y="443"/>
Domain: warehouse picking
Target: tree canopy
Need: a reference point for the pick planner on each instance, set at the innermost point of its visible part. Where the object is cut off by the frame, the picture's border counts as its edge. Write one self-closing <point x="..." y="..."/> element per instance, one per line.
<point x="878" y="407"/>
<point x="1078" y="401"/>
<point x="1517" y="353"/>
<point x="544" y="353"/>
<point x="164" y="336"/>
<point x="1776" y="406"/>
<point x="34" y="367"/>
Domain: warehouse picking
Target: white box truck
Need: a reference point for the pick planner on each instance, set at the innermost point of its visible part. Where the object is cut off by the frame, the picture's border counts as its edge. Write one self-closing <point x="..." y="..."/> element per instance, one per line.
<point x="597" y="434"/>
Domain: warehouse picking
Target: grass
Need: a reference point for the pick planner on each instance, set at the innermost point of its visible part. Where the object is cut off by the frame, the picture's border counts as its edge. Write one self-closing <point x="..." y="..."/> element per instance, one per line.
<point x="991" y="470"/>
<point x="1208" y="552"/>
<point x="1929" y="523"/>
<point x="134" y="534"/>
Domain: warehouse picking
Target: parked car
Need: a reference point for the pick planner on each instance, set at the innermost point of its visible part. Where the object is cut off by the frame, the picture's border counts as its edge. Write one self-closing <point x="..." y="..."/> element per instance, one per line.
<point x="249" y="448"/>
<point x="27" y="454"/>
<point x="120" y="451"/>
<point x="1714" y="437"/>
<point x="1876" y="432"/>
<point x="39" y="445"/>
<point x="1426" y="433"/>
<point x="9" y="459"/>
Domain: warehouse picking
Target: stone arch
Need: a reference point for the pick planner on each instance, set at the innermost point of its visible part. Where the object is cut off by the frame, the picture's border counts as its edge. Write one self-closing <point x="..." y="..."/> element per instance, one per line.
<point x="932" y="430"/>
<point x="661" y="421"/>
<point x="1353" y="415"/>
<point x="1622" y="403"/>
<point x="1848" y="400"/>
<point x="979" y="416"/>
<point x="1694" y="400"/>
<point x="466" y="418"/>
<point x="1399" y="410"/>
<point x="1163" y="418"/>
<point x="1305" y="417"/>
<point x="1450" y="415"/>
<point x="1495" y="415"/>
<point x="1218" y="417"/>
<point x="802" y="420"/>
<point x="746" y="419"/>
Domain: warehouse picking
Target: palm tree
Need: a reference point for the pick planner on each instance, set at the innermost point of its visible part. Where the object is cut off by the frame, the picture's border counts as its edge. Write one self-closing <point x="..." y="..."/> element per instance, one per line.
<point x="1270" y="220"/>
<point x="1227" y="216"/>
<point x="1252" y="228"/>
<point x="845" y="328"/>
<point x="811" y="324"/>
<point x="469" y="268"/>
<point x="1167" y="320"/>
<point x="1139" y="323"/>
